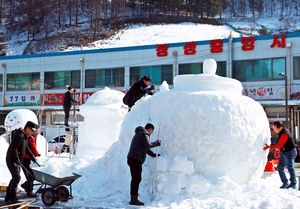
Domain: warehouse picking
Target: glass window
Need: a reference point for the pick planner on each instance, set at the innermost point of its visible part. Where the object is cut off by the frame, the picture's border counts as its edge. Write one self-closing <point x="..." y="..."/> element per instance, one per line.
<point x="255" y="70"/>
<point x="75" y="79"/>
<point x="167" y="73"/>
<point x="118" y="77"/>
<point x="197" y="68"/>
<point x="24" y="81"/>
<point x="296" y="66"/>
<point x="221" y="69"/>
<point x="1" y="82"/>
<point x="90" y="78"/>
<point x="278" y="66"/>
<point x="258" y="69"/>
<point x="154" y="72"/>
<point x="134" y="75"/>
<point x="104" y="77"/>
<point x="158" y="73"/>
<point x="238" y="70"/>
<point x="62" y="78"/>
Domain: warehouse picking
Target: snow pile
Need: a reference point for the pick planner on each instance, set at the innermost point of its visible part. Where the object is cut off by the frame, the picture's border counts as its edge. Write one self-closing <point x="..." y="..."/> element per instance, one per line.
<point x="103" y="115"/>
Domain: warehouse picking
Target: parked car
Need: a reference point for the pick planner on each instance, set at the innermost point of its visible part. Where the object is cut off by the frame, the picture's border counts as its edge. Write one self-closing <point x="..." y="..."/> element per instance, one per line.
<point x="55" y="135"/>
<point x="57" y="144"/>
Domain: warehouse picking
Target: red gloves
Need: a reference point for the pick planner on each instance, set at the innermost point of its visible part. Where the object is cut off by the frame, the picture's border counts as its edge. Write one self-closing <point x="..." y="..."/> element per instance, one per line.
<point x="266" y="147"/>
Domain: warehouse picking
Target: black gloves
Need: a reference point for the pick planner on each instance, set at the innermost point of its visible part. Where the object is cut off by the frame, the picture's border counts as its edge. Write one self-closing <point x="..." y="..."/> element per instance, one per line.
<point x="154" y="155"/>
<point x="33" y="160"/>
<point x="158" y="142"/>
<point x="18" y="162"/>
<point x="149" y="89"/>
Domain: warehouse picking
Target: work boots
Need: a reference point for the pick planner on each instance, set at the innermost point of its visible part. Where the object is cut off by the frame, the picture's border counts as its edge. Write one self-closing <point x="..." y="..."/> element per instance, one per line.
<point x="134" y="200"/>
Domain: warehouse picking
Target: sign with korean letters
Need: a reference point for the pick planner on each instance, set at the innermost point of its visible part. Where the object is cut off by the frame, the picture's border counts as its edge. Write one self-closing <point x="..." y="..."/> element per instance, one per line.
<point x="41" y="99"/>
<point x="22" y="100"/>
<point x="216" y="45"/>
<point x="264" y="92"/>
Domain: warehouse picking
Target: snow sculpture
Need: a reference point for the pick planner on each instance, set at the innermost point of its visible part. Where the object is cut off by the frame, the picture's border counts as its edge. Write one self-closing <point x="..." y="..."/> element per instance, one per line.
<point x="210" y="133"/>
<point x="18" y="118"/>
<point x="223" y="131"/>
<point x="104" y="122"/>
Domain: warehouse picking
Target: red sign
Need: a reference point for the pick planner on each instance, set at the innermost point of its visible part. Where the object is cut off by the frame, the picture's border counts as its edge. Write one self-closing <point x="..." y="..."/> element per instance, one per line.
<point x="277" y="42"/>
<point x="247" y="43"/>
<point x="58" y="99"/>
<point x="216" y="46"/>
<point x="190" y="48"/>
<point x="261" y="91"/>
<point x="162" y="50"/>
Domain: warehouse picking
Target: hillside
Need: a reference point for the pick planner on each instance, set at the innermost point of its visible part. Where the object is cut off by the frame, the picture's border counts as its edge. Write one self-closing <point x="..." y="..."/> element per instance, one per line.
<point x="80" y="37"/>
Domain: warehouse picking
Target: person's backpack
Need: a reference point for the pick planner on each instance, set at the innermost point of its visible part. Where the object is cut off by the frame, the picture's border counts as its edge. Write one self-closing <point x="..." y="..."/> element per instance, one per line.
<point x="11" y="135"/>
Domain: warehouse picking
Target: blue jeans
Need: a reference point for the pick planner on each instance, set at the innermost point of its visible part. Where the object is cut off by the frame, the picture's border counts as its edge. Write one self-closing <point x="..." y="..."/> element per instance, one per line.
<point x="287" y="159"/>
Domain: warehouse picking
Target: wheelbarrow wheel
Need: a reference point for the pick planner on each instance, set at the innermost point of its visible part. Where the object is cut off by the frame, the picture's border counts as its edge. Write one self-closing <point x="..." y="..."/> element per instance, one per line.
<point x="62" y="193"/>
<point x="48" y="196"/>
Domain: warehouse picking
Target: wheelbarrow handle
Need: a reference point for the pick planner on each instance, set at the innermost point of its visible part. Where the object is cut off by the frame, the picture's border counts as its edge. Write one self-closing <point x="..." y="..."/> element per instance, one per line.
<point x="37" y="164"/>
<point x="27" y="171"/>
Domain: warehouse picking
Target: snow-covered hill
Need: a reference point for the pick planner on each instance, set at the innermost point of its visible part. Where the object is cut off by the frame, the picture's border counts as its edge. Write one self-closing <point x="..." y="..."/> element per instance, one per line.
<point x="142" y="34"/>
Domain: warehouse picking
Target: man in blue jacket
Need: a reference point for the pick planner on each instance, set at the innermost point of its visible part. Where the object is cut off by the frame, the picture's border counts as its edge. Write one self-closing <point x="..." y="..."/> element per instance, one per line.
<point x="139" y="147"/>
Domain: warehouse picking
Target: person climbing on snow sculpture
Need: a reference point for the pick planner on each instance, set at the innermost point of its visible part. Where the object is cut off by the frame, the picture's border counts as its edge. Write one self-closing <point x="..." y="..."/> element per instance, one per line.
<point x="137" y="91"/>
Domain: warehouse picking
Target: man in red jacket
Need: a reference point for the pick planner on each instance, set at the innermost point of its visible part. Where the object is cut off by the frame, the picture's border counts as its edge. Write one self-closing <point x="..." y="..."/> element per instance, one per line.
<point x="28" y="185"/>
<point x="287" y="146"/>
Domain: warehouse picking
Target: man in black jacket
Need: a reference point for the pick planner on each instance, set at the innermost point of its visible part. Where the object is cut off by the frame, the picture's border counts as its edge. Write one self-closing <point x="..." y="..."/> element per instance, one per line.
<point x="138" y="90"/>
<point x="68" y="99"/>
<point x="139" y="147"/>
<point x="14" y="158"/>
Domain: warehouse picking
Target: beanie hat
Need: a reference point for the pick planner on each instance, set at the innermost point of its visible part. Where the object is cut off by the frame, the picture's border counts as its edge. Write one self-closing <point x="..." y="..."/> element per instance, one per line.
<point x="31" y="125"/>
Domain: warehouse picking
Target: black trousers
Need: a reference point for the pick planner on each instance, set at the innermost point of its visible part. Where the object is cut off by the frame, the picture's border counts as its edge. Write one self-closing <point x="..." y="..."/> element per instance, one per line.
<point x="136" y="175"/>
<point x="67" y="115"/>
<point x="14" y="169"/>
<point x="129" y="100"/>
<point x="29" y="176"/>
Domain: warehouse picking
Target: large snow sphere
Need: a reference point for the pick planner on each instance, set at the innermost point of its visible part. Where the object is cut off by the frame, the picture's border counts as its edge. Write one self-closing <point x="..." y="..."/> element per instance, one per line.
<point x="209" y="130"/>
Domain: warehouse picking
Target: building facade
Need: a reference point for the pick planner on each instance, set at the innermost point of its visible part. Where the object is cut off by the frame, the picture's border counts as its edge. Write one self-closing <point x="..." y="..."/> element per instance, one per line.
<point x="268" y="67"/>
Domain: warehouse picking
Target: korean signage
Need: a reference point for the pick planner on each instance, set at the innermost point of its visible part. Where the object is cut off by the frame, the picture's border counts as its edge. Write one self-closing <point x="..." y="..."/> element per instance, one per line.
<point x="216" y="45"/>
<point x="264" y="92"/>
<point x="295" y="92"/>
<point x="36" y="99"/>
<point x="58" y="99"/>
<point x="22" y="100"/>
<point x="271" y="92"/>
